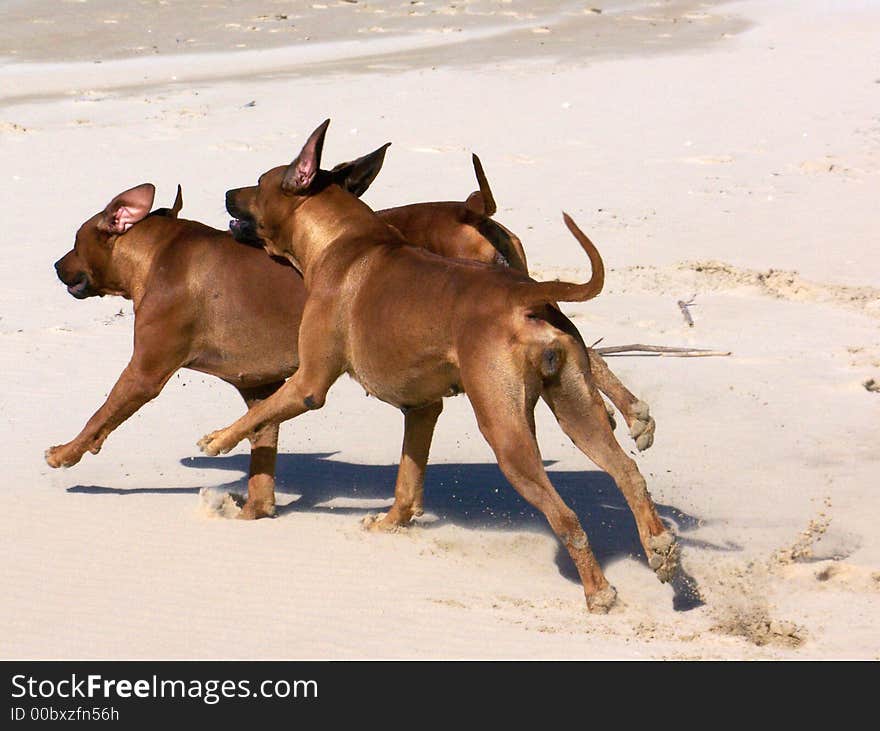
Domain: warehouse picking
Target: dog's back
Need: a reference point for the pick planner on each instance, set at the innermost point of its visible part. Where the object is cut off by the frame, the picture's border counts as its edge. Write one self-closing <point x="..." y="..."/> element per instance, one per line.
<point x="460" y="230"/>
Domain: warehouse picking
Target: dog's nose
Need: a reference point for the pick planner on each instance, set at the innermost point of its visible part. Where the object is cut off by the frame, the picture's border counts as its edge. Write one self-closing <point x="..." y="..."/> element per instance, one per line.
<point x="230" y="200"/>
<point x="58" y="266"/>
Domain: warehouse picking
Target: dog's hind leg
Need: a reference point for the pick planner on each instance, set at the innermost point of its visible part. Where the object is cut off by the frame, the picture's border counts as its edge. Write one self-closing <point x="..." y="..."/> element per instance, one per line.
<point x="264" y="450"/>
<point x="409" y="488"/>
<point x="635" y="412"/>
<point x="505" y="414"/>
<point x="581" y="414"/>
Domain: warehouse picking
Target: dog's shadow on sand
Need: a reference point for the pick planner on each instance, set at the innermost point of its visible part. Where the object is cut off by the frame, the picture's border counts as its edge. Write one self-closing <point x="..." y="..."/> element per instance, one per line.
<point x="475" y="495"/>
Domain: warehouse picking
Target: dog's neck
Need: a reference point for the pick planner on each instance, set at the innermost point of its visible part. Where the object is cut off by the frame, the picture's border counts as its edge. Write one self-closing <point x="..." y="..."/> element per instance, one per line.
<point x="331" y="217"/>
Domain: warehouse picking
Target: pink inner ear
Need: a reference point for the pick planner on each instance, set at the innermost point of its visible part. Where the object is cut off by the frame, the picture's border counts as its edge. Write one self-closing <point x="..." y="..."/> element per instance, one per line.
<point x="304" y="174"/>
<point x="127" y="208"/>
<point x="302" y="171"/>
<point x="300" y="177"/>
<point x="127" y="217"/>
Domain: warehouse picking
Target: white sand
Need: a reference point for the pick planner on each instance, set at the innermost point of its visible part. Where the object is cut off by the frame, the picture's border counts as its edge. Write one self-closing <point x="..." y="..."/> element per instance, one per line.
<point x="760" y="150"/>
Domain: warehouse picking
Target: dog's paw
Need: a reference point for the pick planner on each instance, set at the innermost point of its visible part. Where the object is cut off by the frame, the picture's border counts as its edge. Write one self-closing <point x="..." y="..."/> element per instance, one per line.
<point x="663" y="554"/>
<point x="642" y="426"/>
<point x="217" y="442"/>
<point x="602" y="601"/>
<point x="256" y="510"/>
<point x="379" y="523"/>
<point x="62" y="455"/>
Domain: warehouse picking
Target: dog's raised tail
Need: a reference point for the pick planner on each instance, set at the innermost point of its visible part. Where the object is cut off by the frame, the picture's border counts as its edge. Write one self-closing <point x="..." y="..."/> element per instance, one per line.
<point x="481" y="201"/>
<point x="178" y="202"/>
<point x="539" y="292"/>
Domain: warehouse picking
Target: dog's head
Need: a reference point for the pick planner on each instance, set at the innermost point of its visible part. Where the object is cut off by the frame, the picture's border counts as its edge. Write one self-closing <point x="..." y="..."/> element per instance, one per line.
<point x="259" y="211"/>
<point x="87" y="269"/>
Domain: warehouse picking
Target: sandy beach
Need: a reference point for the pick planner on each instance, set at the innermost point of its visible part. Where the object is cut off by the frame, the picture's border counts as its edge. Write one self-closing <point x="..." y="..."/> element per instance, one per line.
<point x="725" y="153"/>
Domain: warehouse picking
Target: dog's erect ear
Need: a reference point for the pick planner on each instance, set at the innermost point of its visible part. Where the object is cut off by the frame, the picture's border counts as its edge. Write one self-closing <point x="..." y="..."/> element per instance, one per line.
<point x="127" y="208"/>
<point x="357" y="175"/>
<point x="178" y="203"/>
<point x="481" y="201"/>
<point x="300" y="174"/>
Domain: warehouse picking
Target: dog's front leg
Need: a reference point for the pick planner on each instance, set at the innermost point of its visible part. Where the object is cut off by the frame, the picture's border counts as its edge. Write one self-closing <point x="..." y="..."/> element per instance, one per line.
<point x="301" y="393"/>
<point x="136" y="386"/>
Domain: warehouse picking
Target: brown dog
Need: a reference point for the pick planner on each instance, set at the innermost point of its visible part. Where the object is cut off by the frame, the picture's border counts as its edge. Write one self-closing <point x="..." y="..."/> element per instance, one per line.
<point x="194" y="308"/>
<point x="413" y="327"/>
<point x="227" y="327"/>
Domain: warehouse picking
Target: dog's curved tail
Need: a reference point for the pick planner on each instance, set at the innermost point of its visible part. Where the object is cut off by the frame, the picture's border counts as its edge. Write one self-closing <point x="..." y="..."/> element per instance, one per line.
<point x="541" y="292"/>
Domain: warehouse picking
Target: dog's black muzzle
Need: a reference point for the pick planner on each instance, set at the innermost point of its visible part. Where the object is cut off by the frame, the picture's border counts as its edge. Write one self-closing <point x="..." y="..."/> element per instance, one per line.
<point x="242" y="225"/>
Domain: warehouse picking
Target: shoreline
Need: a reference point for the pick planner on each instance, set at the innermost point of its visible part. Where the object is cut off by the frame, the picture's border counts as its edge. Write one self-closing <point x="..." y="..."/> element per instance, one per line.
<point x="563" y="37"/>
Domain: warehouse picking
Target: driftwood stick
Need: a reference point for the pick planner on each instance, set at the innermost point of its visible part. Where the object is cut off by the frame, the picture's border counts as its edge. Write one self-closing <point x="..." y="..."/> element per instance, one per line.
<point x="661" y="350"/>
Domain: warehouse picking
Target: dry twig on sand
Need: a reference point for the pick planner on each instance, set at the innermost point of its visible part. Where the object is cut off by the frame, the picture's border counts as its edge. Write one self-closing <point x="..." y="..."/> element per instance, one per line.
<point x="660" y="350"/>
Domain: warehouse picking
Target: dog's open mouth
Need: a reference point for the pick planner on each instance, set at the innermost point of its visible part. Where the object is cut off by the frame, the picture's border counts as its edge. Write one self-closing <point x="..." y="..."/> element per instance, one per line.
<point x="245" y="232"/>
<point x="80" y="288"/>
